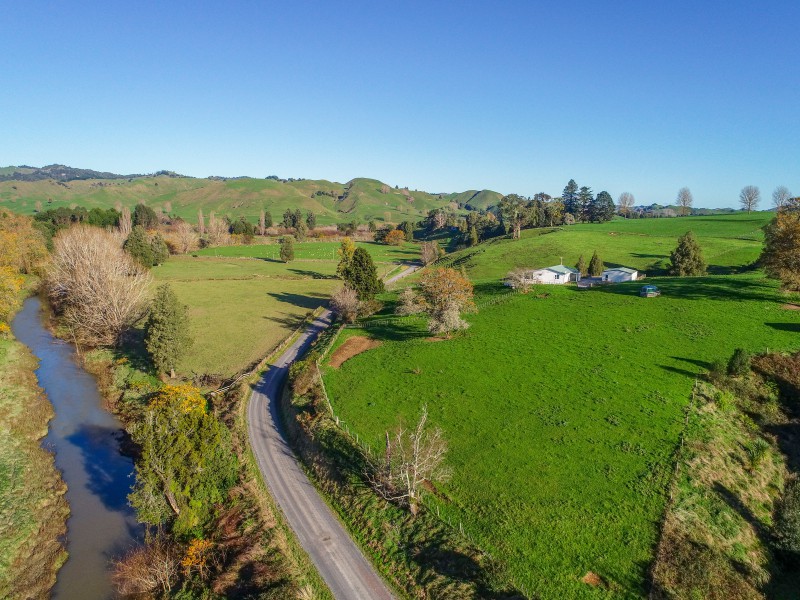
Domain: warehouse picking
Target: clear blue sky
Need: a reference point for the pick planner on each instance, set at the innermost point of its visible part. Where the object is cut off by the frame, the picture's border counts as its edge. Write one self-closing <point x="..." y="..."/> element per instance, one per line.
<point x="513" y="96"/>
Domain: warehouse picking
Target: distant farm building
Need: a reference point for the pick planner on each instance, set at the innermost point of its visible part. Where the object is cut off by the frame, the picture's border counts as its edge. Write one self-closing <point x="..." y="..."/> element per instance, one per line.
<point x="557" y="275"/>
<point x="619" y="274"/>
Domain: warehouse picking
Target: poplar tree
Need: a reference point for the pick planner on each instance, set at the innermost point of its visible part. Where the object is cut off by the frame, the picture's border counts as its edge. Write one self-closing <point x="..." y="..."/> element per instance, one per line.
<point x="167" y="331"/>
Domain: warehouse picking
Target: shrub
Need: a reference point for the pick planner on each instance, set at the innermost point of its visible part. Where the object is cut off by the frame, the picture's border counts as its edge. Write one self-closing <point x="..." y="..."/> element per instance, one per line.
<point x="395" y="238"/>
<point x="739" y="363"/>
<point x="787" y="519"/>
<point x="345" y="304"/>
<point x="287" y="249"/>
<point x="687" y="258"/>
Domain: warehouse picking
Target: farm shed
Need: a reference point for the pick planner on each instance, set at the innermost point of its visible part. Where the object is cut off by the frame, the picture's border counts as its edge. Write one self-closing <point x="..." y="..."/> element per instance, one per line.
<point x="620" y="274"/>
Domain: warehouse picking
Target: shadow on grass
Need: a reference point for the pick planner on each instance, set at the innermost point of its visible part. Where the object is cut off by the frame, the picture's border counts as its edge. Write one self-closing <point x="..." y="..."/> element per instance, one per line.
<point x="308" y="301"/>
<point x="790" y="327"/>
<point x="699" y="288"/>
<point x="312" y="274"/>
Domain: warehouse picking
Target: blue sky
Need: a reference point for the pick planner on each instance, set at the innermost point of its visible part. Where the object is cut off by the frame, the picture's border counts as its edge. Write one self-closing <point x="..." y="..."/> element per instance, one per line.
<point x="518" y="97"/>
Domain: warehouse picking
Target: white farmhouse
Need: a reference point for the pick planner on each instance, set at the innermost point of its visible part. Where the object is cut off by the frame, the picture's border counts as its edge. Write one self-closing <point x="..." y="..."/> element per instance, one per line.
<point x="557" y="275"/>
<point x="619" y="274"/>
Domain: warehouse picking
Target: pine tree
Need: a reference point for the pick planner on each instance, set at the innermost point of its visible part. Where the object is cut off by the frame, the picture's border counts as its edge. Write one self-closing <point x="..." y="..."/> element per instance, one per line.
<point x="267" y="219"/>
<point x="581" y="266"/>
<point x="585" y="199"/>
<point x="288" y="218"/>
<point x="167" y="331"/>
<point x="139" y="247"/>
<point x="570" y="198"/>
<point x="602" y="208"/>
<point x="159" y="249"/>
<point x="287" y="249"/>
<point x="596" y="266"/>
<point x="311" y="220"/>
<point x="297" y="218"/>
<point x="362" y="275"/>
<point x="687" y="258"/>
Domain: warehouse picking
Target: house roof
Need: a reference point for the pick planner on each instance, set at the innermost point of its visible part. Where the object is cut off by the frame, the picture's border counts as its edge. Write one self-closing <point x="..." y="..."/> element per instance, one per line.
<point x="622" y="269"/>
<point x="563" y="269"/>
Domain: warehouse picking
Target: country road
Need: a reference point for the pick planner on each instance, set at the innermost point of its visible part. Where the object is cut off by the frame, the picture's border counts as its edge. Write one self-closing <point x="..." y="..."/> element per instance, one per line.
<point x="341" y="564"/>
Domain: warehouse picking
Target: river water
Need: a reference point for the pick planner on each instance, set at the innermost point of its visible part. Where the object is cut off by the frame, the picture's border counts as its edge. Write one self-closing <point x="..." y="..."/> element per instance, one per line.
<point x="85" y="439"/>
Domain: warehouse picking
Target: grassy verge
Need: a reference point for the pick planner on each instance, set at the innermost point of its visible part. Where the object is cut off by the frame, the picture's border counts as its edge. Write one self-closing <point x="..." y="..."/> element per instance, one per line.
<point x="420" y="556"/>
<point x="33" y="510"/>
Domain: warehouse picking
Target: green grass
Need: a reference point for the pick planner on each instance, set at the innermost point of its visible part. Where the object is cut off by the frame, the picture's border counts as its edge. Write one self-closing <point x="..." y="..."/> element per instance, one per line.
<point x="730" y="243"/>
<point x="562" y="413"/>
<point x="239" y="309"/>
<point x="316" y="251"/>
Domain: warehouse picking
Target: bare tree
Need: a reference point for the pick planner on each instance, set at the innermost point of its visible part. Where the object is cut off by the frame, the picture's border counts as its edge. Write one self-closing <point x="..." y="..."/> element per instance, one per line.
<point x="147" y="570"/>
<point x="98" y="288"/>
<point x="201" y="222"/>
<point x="185" y="237"/>
<point x="781" y="196"/>
<point x="409" y="303"/>
<point x="625" y="203"/>
<point x="429" y="252"/>
<point x="411" y="459"/>
<point x="439" y="219"/>
<point x="749" y="197"/>
<point x="520" y="279"/>
<point x="125" y="221"/>
<point x="218" y="234"/>
<point x="345" y="303"/>
<point x="685" y="200"/>
<point x="262" y="223"/>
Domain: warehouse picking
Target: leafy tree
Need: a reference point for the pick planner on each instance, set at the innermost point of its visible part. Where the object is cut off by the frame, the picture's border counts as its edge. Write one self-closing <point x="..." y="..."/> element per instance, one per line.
<point x="395" y="238"/>
<point x="781" y="255"/>
<point x="362" y="275"/>
<point x="570" y="198"/>
<point x="514" y="213"/>
<point x="602" y="208"/>
<point x="345" y="253"/>
<point x="429" y="252"/>
<point x="288" y="218"/>
<point x="243" y="227"/>
<point x="145" y="217"/>
<point x="167" y="335"/>
<point x="297" y="218"/>
<point x="473" y="239"/>
<point x="311" y="220"/>
<point x="372" y="226"/>
<point x="581" y="266"/>
<point x="739" y="363"/>
<point x="159" y="249"/>
<point x="287" y="248"/>
<point x="139" y="247"/>
<point x="267" y="219"/>
<point x="687" y="258"/>
<point x="585" y="199"/>
<point x="186" y="465"/>
<point x="407" y="227"/>
<point x="787" y="518"/>
<point x="596" y="266"/>
<point x="446" y="294"/>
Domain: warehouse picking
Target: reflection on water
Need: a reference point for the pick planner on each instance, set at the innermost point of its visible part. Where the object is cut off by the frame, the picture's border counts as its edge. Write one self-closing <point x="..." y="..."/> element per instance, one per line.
<point x="84" y="437"/>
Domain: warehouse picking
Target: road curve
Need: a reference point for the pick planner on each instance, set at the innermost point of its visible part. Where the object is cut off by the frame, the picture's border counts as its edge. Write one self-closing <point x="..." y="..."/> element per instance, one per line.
<point x="339" y="561"/>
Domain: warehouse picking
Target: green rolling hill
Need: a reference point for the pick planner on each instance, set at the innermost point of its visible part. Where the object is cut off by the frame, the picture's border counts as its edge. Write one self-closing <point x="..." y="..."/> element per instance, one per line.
<point x="27" y="189"/>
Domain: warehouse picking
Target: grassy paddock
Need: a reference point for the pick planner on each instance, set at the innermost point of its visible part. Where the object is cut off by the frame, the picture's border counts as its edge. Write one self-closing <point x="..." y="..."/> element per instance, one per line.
<point x="562" y="413"/>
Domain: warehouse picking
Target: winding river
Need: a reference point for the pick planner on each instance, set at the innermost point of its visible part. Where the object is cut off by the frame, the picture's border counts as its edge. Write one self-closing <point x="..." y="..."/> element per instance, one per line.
<point x="85" y="439"/>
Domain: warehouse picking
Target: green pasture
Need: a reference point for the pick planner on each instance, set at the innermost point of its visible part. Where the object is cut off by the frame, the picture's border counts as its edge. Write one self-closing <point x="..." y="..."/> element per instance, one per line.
<point x="730" y="243"/>
<point x="240" y="309"/>
<point x="562" y="414"/>
<point x="316" y="251"/>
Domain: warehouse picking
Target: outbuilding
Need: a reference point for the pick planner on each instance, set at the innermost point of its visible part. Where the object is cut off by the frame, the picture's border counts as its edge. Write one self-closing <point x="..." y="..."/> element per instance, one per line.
<point x="619" y="274"/>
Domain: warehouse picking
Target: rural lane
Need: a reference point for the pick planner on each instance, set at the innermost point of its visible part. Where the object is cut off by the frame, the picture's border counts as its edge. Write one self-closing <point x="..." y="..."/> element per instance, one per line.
<point x="340" y="563"/>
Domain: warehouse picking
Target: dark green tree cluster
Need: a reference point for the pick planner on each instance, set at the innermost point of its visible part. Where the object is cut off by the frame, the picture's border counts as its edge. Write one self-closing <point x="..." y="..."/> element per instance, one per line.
<point x="311" y="220"/>
<point x="242" y="227"/>
<point x="581" y="266"/>
<point x="347" y="228"/>
<point x="167" y="335"/>
<point x="292" y="219"/>
<point x="361" y="275"/>
<point x="148" y="250"/>
<point x="596" y="266"/>
<point x="687" y="258"/>
<point x="145" y="217"/>
<point x="787" y="519"/>
<point x="584" y="206"/>
<point x="186" y="465"/>
<point x="407" y="227"/>
<point x="51" y="220"/>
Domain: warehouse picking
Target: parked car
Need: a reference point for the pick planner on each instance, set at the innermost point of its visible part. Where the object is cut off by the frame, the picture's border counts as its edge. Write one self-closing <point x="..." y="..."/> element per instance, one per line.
<point x="649" y="291"/>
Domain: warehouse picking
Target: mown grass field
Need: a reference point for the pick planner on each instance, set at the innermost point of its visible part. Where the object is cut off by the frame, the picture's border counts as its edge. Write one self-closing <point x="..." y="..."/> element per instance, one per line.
<point x="563" y="412"/>
<point x="243" y="302"/>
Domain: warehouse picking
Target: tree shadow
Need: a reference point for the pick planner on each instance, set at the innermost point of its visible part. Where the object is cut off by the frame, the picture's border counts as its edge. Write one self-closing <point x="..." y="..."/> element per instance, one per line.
<point x="704" y="365"/>
<point x="312" y="274"/>
<point x="679" y="371"/>
<point x="699" y="288"/>
<point x="309" y="301"/>
<point x="790" y="327"/>
<point x="743" y="511"/>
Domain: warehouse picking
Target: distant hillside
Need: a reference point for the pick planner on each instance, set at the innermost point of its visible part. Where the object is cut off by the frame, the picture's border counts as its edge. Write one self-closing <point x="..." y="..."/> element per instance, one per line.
<point x="28" y="189"/>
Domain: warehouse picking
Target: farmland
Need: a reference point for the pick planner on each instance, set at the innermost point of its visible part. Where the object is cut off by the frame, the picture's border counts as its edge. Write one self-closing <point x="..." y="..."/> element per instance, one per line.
<point x="243" y="302"/>
<point x="563" y="408"/>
